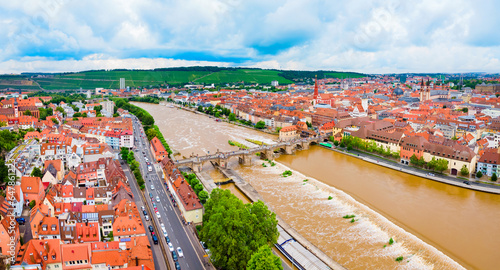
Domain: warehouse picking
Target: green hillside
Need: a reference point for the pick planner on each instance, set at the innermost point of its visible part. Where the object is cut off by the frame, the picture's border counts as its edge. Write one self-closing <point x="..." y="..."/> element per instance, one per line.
<point x="219" y="76"/>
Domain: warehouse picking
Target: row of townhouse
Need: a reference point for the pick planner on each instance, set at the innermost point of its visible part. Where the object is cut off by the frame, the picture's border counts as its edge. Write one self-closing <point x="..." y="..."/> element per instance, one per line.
<point x="189" y="205"/>
<point x="387" y="136"/>
<point x="115" y="139"/>
<point x="53" y="254"/>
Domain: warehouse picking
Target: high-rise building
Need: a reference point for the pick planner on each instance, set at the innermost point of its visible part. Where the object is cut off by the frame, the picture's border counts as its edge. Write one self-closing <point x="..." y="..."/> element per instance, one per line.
<point x="122" y="83"/>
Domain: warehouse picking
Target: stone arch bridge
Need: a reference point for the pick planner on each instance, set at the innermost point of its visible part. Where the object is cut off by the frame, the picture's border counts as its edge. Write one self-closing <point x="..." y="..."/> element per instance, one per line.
<point x="245" y="155"/>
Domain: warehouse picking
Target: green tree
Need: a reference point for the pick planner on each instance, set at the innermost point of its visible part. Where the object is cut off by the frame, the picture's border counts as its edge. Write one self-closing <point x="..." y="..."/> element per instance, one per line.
<point x="203" y="196"/>
<point x="465" y="110"/>
<point x="77" y="114"/>
<point x="36" y="172"/>
<point x="432" y="163"/>
<point x="441" y="165"/>
<point x="27" y="112"/>
<point x="60" y="109"/>
<point x="494" y="177"/>
<point x="232" y="117"/>
<point x="464" y="171"/>
<point x="124" y="153"/>
<point x="130" y="157"/>
<point x="260" y="125"/>
<point x="414" y="160"/>
<point x="32" y="204"/>
<point x="55" y="121"/>
<point x="148" y="120"/>
<point x="479" y="174"/>
<point x="233" y="231"/>
<point x="264" y="259"/>
<point x="197" y="188"/>
<point x="151" y="133"/>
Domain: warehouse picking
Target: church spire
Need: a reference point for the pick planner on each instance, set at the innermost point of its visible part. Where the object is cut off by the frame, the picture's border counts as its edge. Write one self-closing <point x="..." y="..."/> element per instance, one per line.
<point x="316" y="88"/>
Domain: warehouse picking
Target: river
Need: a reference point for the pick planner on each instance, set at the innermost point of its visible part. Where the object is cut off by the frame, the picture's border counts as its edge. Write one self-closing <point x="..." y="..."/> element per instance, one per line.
<point x="434" y="226"/>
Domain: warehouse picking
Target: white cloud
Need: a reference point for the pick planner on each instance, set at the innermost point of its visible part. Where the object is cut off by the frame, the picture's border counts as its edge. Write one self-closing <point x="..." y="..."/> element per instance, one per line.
<point x="376" y="36"/>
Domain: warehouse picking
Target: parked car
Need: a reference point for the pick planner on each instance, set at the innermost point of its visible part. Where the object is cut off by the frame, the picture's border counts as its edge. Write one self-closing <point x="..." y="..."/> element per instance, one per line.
<point x="163" y="229"/>
<point x="144" y="212"/>
<point x="177" y="266"/>
<point x="467" y="183"/>
<point x="174" y="256"/>
<point x="167" y="239"/>
<point x="155" y="239"/>
<point x="146" y="217"/>
<point x="158" y="215"/>
<point x="170" y="247"/>
<point x="143" y="208"/>
<point x="151" y="229"/>
<point x="21" y="221"/>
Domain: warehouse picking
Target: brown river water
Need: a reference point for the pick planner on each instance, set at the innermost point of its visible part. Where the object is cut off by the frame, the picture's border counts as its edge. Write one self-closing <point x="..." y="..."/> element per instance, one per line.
<point x="434" y="226"/>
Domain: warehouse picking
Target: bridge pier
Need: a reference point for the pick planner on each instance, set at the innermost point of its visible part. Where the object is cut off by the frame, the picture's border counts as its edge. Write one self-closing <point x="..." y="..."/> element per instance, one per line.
<point x="197" y="166"/>
<point x="222" y="162"/>
<point x="305" y="145"/>
<point x="267" y="154"/>
<point x="245" y="159"/>
<point x="289" y="149"/>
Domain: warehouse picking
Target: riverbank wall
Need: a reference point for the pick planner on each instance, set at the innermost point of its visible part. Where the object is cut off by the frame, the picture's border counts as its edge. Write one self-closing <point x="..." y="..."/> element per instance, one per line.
<point x="416" y="172"/>
<point x="298" y="249"/>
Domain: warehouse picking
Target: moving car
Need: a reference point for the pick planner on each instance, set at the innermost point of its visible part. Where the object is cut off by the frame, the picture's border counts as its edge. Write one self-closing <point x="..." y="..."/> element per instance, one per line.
<point x="152" y="187"/>
<point x="179" y="251"/>
<point x="467" y="183"/>
<point x="157" y="199"/>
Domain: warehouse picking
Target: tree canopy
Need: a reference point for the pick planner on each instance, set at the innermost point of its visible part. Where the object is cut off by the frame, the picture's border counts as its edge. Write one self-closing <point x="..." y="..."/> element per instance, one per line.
<point x="234" y="231"/>
<point x="260" y="125"/>
<point x="264" y="259"/>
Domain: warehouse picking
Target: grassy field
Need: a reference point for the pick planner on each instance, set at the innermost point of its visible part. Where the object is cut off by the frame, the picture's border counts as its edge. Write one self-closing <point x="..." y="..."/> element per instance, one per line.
<point x="175" y="76"/>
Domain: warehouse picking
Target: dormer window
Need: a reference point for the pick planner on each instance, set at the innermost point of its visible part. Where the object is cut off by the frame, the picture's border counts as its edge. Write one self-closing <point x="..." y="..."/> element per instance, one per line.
<point x="44" y="258"/>
<point x="53" y="257"/>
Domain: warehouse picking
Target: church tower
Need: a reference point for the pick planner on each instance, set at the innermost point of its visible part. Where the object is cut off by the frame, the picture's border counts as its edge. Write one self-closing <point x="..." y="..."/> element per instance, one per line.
<point x="425" y="93"/>
<point x="316" y="95"/>
<point x="16" y="108"/>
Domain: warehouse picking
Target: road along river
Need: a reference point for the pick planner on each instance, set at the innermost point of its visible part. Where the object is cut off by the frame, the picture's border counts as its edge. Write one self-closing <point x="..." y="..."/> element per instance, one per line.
<point x="433" y="225"/>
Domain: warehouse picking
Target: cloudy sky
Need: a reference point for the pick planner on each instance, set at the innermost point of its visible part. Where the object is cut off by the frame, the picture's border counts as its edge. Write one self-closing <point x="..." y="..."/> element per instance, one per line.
<point x="352" y="35"/>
